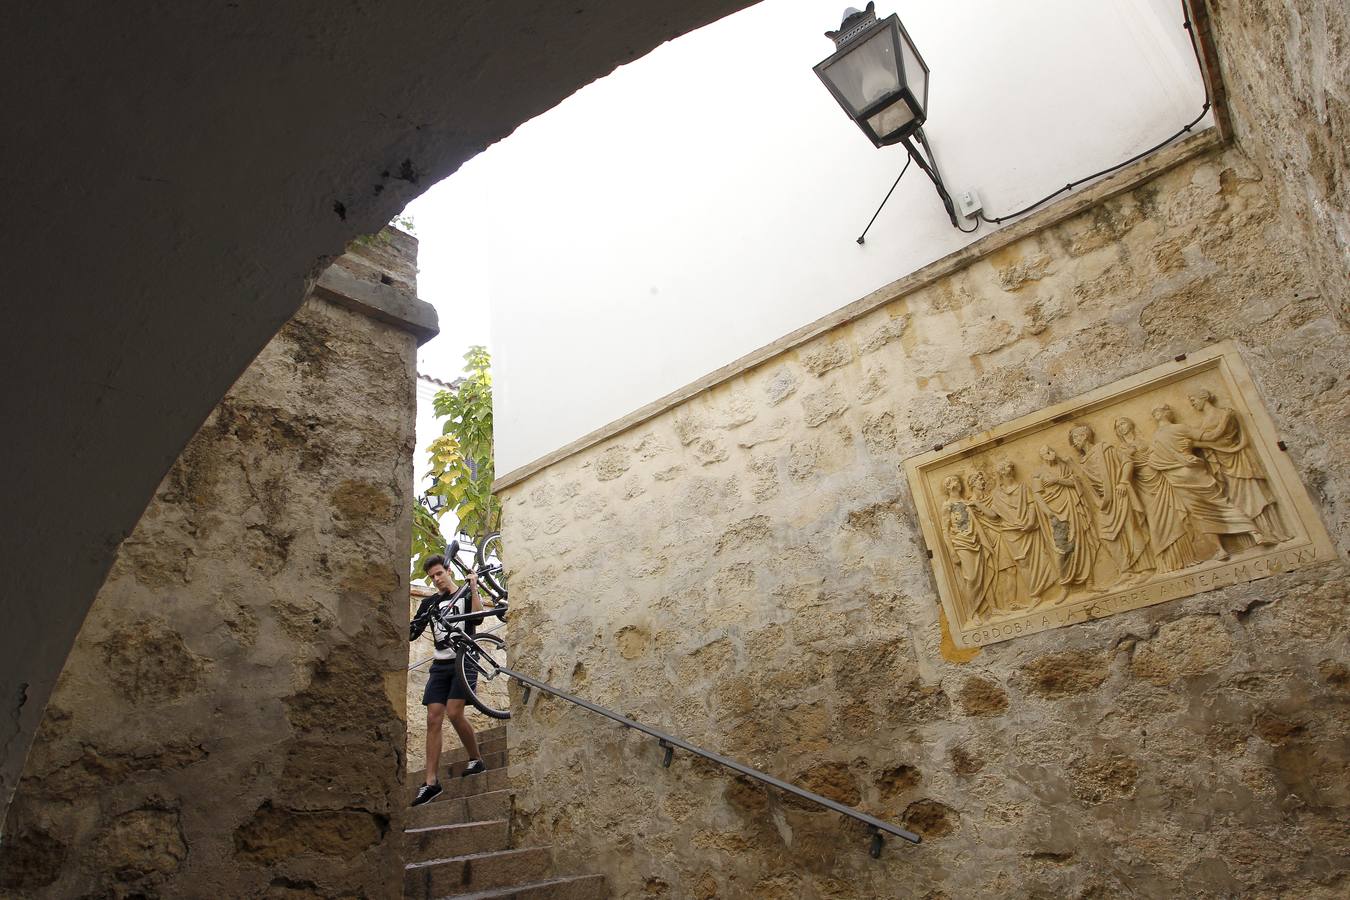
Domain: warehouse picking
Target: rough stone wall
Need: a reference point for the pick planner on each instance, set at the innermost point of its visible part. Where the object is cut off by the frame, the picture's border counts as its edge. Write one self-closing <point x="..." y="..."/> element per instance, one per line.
<point x="1286" y="66"/>
<point x="230" y="720"/>
<point x="746" y="570"/>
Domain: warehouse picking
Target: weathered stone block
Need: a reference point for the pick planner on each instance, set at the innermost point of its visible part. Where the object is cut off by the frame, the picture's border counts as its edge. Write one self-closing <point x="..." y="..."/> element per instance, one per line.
<point x="1065" y="674"/>
<point x="823" y="405"/>
<point x="981" y="697"/>
<point x="143" y="843"/>
<point x="149" y="663"/>
<point x="32" y="859"/>
<point x="822" y="357"/>
<point x="930" y="819"/>
<point x="612" y="463"/>
<point x="1098" y="779"/>
<point x="1195" y="645"/>
<point x="276" y="834"/>
<point x="881" y="335"/>
<point x="780" y="385"/>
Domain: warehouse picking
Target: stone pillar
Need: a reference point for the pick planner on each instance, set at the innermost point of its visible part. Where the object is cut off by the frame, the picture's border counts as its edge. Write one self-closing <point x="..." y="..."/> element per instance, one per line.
<point x="230" y="722"/>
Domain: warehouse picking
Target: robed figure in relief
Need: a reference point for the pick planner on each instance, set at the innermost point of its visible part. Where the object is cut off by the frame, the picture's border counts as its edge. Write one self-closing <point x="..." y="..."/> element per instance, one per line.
<point x="1232" y="459"/>
<point x="972" y="551"/>
<point x="1107" y="475"/>
<point x="1006" y="593"/>
<point x="1168" y="535"/>
<point x="1073" y="530"/>
<point x="1209" y="513"/>
<point x="1022" y="524"/>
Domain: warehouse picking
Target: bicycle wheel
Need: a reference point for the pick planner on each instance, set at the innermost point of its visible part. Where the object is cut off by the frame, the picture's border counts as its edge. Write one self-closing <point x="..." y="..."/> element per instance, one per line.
<point x="489" y="555"/>
<point x="479" y="666"/>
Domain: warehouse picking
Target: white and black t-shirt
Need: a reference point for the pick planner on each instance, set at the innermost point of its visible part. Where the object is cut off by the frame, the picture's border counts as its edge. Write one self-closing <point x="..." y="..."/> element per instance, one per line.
<point x="444" y="605"/>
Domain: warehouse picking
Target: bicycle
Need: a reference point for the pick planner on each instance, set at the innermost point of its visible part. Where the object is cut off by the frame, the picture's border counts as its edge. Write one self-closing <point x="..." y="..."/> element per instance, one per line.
<point x="484" y="556"/>
<point x="479" y="659"/>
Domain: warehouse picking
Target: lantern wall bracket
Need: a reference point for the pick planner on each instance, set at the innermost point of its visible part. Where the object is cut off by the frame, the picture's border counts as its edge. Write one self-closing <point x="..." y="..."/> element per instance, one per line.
<point x="928" y="163"/>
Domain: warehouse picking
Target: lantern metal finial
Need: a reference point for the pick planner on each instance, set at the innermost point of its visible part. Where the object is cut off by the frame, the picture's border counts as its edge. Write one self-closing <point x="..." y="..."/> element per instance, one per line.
<point x="853" y="23"/>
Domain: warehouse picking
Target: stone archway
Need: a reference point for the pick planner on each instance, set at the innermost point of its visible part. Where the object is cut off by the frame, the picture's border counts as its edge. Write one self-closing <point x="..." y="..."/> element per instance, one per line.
<point x="177" y="175"/>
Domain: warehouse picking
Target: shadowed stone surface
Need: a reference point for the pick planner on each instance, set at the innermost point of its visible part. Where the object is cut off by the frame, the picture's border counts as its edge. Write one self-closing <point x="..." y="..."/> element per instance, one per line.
<point x="199" y="166"/>
<point x="229" y="723"/>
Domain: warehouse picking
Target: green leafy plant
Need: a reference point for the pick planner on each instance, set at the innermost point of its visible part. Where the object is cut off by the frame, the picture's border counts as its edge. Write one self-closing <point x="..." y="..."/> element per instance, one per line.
<point x="427" y="539"/>
<point x="462" y="468"/>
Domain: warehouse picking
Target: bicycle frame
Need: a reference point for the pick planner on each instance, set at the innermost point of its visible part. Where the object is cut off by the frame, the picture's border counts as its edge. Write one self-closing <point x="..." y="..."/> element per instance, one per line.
<point x="499" y="610"/>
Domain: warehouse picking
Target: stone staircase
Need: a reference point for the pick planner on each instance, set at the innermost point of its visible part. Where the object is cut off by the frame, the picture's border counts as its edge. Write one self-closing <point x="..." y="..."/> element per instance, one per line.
<point x="459" y="845"/>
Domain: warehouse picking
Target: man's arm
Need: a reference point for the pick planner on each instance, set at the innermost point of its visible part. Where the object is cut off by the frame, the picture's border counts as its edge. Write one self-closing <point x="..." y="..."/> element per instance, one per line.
<point x="422" y="618"/>
<point x="475" y="601"/>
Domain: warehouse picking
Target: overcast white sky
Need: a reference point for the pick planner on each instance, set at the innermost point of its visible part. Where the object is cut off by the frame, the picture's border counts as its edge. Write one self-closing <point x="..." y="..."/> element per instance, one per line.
<point x="702" y="201"/>
<point x="453" y="267"/>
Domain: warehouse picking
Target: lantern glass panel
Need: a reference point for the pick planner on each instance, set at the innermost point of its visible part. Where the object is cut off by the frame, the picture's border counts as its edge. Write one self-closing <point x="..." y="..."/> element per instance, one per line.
<point x="866" y="73"/>
<point x="891" y="119"/>
<point x="916" y="76"/>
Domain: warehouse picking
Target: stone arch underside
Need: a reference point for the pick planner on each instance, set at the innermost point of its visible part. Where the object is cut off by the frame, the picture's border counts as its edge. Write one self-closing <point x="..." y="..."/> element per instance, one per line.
<point x="175" y="177"/>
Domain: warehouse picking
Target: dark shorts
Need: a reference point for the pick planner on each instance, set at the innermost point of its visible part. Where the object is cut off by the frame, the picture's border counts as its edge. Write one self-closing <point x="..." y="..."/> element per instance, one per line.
<point x="444" y="683"/>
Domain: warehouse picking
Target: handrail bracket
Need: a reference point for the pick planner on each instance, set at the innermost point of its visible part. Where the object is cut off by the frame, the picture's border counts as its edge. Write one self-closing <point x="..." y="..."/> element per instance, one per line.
<point x="670" y="753"/>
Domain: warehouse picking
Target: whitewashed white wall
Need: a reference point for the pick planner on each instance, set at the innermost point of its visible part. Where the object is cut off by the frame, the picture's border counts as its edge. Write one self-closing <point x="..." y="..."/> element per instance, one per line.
<point x="704" y="201"/>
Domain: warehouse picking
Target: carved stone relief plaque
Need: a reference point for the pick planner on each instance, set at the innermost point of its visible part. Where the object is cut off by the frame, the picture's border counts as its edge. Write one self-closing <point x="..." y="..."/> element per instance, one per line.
<point x="1163" y="485"/>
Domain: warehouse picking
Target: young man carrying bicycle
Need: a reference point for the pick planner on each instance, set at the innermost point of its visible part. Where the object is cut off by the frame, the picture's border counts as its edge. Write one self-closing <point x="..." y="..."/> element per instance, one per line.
<point x="445" y="693"/>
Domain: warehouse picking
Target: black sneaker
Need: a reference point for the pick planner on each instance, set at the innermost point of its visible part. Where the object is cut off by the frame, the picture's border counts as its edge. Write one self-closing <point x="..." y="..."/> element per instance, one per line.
<point x="473" y="768"/>
<point x="426" y="793"/>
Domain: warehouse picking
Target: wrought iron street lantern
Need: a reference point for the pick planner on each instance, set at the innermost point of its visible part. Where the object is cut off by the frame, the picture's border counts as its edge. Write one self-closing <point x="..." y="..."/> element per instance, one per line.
<point x="433" y="501"/>
<point x="877" y="75"/>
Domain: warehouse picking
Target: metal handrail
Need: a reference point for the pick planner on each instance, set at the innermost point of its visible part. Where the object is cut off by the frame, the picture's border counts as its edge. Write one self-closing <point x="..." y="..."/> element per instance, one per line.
<point x="669" y="743"/>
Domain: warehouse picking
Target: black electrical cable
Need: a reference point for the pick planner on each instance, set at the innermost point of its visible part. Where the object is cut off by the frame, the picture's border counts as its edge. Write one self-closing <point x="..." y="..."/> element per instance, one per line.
<point x="1195" y="48"/>
<point x="883" y="202"/>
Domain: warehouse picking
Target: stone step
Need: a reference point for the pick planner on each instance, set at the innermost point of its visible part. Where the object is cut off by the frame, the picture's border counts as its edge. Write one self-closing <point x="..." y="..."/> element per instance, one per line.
<point x="459" y="754"/>
<point x="496" y="732"/>
<point x="456" y="810"/>
<point x="452" y="769"/>
<point x="445" y="841"/>
<point x="476" y="872"/>
<point x="577" y="887"/>
<point x="473" y="785"/>
<point x="497" y="760"/>
<point x="484" y="735"/>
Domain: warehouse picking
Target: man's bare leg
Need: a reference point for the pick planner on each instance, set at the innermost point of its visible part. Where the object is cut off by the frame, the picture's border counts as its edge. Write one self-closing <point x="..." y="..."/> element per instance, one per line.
<point x="454" y="710"/>
<point x="435" y="715"/>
